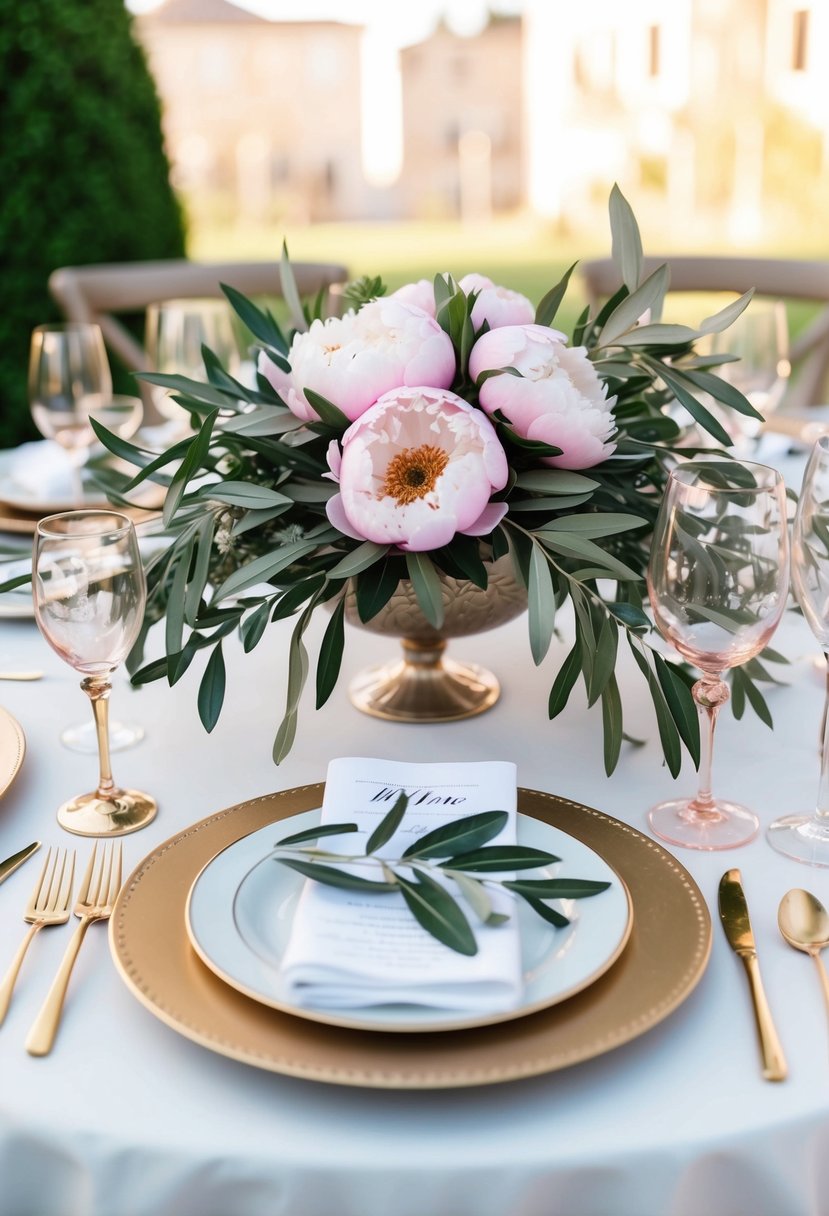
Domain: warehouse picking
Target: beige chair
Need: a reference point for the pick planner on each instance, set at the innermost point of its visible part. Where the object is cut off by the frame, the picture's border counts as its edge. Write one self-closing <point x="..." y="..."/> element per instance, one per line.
<point x="779" y="278"/>
<point x="99" y="293"/>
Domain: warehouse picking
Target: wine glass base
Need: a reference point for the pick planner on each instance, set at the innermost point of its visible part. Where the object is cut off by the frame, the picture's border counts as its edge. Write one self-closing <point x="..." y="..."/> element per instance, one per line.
<point x="726" y="826"/>
<point x="82" y="737"/>
<point x="91" y="815"/>
<point x="801" y="837"/>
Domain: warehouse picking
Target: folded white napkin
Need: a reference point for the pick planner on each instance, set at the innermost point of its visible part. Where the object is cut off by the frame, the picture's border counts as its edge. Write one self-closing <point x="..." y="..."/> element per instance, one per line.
<point x="40" y="470"/>
<point x="350" y="950"/>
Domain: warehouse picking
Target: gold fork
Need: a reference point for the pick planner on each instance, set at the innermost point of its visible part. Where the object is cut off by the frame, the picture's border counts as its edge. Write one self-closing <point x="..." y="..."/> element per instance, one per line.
<point x="49" y="905"/>
<point x="96" y="899"/>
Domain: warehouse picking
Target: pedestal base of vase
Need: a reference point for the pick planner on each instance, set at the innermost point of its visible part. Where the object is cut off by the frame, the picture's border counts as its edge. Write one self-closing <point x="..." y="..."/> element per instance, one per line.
<point x="424" y="687"/>
<point x="729" y="824"/>
<point x="91" y="815"/>
<point x="801" y="837"/>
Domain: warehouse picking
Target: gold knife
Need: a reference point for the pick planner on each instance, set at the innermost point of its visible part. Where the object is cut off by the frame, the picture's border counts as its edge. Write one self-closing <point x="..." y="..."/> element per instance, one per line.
<point x="737" y="926"/>
<point x="9" y="866"/>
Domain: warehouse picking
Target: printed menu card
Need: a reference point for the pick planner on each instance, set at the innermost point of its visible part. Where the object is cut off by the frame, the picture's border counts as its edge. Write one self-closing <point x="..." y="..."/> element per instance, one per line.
<point x="348" y="949"/>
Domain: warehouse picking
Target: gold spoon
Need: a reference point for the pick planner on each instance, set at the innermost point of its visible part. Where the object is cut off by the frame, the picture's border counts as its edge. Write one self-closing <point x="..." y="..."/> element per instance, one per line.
<point x="804" y="922"/>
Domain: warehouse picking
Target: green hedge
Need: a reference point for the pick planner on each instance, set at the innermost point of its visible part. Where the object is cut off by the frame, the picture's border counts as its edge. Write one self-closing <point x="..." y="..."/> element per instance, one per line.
<point x="83" y="173"/>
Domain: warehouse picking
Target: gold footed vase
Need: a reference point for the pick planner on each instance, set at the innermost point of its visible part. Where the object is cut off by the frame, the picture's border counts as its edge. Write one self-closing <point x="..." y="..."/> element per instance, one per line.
<point x="423" y="685"/>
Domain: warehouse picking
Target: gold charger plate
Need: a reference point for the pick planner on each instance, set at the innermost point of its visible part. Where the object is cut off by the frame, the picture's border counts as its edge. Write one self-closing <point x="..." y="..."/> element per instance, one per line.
<point x="12" y="749"/>
<point x="24" y="522"/>
<point x="661" y="964"/>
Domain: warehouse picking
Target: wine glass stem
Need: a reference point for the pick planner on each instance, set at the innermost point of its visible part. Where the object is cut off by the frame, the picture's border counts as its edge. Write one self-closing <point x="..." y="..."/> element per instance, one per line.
<point x="98" y="688"/>
<point x="709" y="694"/>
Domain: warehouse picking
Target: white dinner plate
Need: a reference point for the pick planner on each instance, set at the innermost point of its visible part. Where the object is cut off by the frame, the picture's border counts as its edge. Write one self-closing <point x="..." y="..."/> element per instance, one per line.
<point x="241" y="908"/>
<point x="45" y="494"/>
<point x="52" y="494"/>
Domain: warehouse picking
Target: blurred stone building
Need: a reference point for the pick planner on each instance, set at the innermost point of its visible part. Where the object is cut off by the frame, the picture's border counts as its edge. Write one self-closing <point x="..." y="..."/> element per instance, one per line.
<point x="264" y="117"/>
<point x="260" y="117"/>
<point x="717" y="108"/>
<point x="463" y="104"/>
<point x="712" y="111"/>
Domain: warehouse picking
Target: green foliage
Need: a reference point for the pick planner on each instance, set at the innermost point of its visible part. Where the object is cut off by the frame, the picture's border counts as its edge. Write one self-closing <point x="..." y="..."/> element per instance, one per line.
<point x="85" y="177"/>
<point x="247" y="506"/>
<point x="457" y="851"/>
<point x="361" y="291"/>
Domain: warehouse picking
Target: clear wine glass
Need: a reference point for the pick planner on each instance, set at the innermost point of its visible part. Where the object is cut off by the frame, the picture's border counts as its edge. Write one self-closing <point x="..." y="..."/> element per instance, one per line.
<point x="717" y="581"/>
<point x="176" y="331"/>
<point x="122" y="415"/>
<point x="805" y="837"/>
<point x="760" y="340"/>
<point x="89" y="594"/>
<point x="69" y="380"/>
<point x="69" y="384"/>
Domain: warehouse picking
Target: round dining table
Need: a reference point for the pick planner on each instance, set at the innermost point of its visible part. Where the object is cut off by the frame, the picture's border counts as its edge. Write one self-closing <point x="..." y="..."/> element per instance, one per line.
<point x="129" y="1116"/>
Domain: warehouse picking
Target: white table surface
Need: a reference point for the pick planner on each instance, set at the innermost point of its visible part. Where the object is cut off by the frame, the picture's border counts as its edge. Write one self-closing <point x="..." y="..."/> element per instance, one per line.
<point x="128" y="1118"/>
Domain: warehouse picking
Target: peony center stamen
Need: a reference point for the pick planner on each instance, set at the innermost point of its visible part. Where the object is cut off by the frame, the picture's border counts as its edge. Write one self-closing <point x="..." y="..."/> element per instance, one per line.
<point x="413" y="473"/>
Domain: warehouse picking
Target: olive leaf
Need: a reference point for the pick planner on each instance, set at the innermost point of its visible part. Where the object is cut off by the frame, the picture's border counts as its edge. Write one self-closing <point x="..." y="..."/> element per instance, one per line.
<point x="334" y="877"/>
<point x="469" y="833"/>
<point x="500" y="857"/>
<point x="332" y="829"/>
<point x="434" y="908"/>
<point x="388" y="825"/>
<point x="423" y="885"/>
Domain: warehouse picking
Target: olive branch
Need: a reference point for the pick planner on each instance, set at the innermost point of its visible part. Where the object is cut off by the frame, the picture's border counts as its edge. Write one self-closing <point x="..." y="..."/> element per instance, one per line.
<point x="458" y="851"/>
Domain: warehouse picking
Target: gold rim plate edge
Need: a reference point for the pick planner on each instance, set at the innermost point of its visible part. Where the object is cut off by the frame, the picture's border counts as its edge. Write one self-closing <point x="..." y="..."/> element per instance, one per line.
<point x="25" y="524"/>
<point x="459" y="1023"/>
<point x="12" y="749"/>
<point x="665" y="959"/>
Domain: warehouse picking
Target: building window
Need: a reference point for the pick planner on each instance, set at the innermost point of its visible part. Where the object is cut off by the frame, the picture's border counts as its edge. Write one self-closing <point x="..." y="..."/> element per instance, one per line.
<point x="654" y="50"/>
<point x="800" y="39"/>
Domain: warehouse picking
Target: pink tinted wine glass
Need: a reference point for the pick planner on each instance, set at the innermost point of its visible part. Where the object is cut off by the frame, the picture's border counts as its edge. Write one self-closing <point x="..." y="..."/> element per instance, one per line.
<point x="805" y="837"/>
<point x="718" y="581"/>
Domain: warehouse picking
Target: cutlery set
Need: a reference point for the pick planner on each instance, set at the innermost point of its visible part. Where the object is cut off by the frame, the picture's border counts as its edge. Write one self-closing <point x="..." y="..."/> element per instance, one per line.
<point x="802" y="919"/>
<point x="51" y="904"/>
<point x="803" y="923"/>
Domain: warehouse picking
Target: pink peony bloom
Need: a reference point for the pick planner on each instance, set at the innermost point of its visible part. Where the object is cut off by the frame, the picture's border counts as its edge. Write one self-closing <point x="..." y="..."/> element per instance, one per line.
<point x="421" y="294"/>
<point x="416" y="468"/>
<point x="558" y="399"/>
<point x="353" y="360"/>
<point x="498" y="306"/>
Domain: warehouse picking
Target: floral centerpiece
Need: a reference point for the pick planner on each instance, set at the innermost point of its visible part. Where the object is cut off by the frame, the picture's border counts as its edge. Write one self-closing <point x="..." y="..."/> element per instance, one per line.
<point x="420" y="436"/>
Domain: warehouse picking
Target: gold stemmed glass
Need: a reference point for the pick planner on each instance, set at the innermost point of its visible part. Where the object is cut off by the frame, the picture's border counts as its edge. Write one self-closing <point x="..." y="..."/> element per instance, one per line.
<point x="717" y="581"/>
<point x="805" y="837"/>
<point x="89" y="594"/>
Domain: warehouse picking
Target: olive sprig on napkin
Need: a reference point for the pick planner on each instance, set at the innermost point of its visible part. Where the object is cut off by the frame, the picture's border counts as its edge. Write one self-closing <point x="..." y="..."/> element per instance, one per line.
<point x="458" y="851"/>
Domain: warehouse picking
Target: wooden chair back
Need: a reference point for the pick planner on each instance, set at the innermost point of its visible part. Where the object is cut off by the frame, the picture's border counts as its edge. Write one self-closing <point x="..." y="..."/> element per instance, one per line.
<point x="99" y="293"/>
<point x="780" y="278"/>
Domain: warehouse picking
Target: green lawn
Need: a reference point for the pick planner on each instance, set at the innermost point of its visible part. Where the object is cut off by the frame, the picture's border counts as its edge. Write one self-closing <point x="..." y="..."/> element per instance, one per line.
<point x="524" y="254"/>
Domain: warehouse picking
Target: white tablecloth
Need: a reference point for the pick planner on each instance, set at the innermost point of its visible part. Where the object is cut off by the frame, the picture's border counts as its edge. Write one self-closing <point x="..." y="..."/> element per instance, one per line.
<point x="127" y="1118"/>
